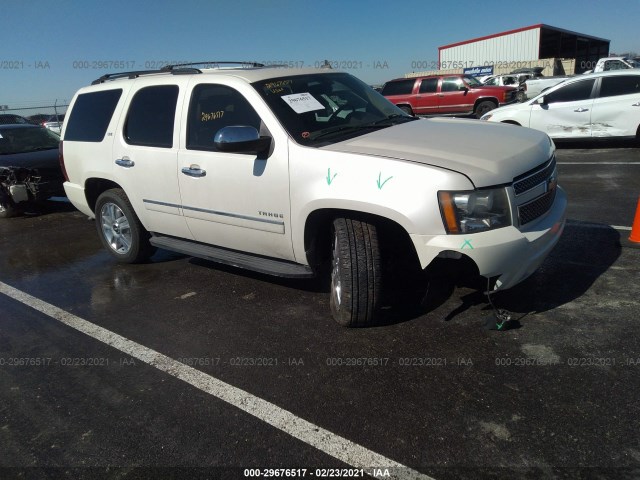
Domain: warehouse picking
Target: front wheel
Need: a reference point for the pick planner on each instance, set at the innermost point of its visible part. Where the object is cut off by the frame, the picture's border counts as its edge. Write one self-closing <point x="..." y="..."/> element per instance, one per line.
<point x="406" y="109"/>
<point x="484" y="107"/>
<point x="356" y="278"/>
<point x="8" y="209"/>
<point x="119" y="228"/>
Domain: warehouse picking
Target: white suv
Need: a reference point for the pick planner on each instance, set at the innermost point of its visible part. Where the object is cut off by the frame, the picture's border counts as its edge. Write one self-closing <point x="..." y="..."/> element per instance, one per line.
<point x="288" y="171"/>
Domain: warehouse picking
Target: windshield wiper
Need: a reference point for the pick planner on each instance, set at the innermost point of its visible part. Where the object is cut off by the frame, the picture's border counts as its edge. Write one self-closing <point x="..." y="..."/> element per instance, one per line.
<point x="390" y="120"/>
<point x="341" y="129"/>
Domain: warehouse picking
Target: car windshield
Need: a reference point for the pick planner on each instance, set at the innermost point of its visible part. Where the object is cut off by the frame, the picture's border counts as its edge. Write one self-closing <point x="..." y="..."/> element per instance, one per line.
<point x="633" y="63"/>
<point x="472" y="81"/>
<point x="317" y="109"/>
<point x="25" y="140"/>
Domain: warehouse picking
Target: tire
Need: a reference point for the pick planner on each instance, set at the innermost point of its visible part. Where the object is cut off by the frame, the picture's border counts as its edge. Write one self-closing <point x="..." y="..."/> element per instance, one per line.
<point x="406" y="109"/>
<point x="521" y="96"/>
<point x="119" y="228"/>
<point x="8" y="209"/>
<point x="484" y="107"/>
<point x="356" y="273"/>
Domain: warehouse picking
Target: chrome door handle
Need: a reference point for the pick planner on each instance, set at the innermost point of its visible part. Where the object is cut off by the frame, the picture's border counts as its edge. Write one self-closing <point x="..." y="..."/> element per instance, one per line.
<point x="194" y="172"/>
<point x="125" y="162"/>
<point x="580" y="110"/>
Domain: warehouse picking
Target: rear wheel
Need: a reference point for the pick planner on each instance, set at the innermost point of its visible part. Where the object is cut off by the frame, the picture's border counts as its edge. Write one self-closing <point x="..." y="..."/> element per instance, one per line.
<point x="484" y="107"/>
<point x="356" y="273"/>
<point x="406" y="109"/>
<point x="119" y="228"/>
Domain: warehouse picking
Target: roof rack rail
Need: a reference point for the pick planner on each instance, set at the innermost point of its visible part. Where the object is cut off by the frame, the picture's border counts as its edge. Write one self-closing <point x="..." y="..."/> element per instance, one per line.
<point x="214" y="62"/>
<point x="138" y="73"/>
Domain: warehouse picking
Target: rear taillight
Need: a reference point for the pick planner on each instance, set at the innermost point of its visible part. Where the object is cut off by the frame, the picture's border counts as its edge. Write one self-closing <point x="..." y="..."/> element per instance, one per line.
<point x="61" y="160"/>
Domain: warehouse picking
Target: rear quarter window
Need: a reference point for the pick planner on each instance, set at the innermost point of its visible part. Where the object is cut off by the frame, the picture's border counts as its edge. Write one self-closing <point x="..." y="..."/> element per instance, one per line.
<point x="620" y="85"/>
<point x="91" y="115"/>
<point x="401" y="87"/>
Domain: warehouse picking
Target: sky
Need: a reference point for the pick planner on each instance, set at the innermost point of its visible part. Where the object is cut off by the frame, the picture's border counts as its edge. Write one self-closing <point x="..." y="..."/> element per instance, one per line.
<point x="50" y="49"/>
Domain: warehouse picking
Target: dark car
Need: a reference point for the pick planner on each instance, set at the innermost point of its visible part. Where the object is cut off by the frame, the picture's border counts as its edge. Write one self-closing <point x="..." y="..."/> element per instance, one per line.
<point x="11" y="118"/>
<point x="29" y="167"/>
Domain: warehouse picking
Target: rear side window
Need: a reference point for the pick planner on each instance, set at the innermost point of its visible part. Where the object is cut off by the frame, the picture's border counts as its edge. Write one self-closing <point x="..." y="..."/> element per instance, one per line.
<point x="572" y="92"/>
<point x="91" y="115"/>
<point x="623" y="85"/>
<point x="401" y="87"/>
<point x="429" y="85"/>
<point x="151" y="117"/>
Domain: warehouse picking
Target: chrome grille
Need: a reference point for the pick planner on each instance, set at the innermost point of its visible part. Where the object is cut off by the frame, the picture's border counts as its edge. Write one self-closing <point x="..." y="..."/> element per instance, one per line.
<point x="536" y="208"/>
<point x="531" y="179"/>
<point x="535" y="191"/>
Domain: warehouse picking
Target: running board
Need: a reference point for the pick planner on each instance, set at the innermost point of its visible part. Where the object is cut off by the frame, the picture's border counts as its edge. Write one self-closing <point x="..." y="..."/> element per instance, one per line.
<point x="256" y="263"/>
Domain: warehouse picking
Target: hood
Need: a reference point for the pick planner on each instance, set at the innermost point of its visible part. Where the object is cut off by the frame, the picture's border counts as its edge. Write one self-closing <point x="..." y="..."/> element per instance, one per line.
<point x="485" y="152"/>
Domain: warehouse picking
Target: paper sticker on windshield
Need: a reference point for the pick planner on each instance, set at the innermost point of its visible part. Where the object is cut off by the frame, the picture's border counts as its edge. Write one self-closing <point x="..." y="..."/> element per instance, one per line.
<point x="302" y="102"/>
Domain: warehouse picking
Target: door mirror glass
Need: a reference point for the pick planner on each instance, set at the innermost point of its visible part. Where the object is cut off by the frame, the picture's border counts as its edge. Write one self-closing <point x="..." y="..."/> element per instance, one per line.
<point x="240" y="139"/>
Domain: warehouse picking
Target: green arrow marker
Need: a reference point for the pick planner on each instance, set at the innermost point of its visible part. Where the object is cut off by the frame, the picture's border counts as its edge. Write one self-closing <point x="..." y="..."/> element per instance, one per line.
<point x="329" y="177"/>
<point x="380" y="185"/>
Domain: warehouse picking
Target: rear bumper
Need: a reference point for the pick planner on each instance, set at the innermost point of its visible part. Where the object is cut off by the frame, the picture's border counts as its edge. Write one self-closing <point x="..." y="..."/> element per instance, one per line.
<point x="77" y="197"/>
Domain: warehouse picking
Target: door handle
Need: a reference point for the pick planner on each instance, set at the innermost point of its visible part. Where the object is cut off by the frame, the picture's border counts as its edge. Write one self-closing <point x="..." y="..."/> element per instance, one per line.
<point x="441" y="94"/>
<point x="580" y="110"/>
<point x="194" y="171"/>
<point x="125" y="162"/>
<point x="637" y="104"/>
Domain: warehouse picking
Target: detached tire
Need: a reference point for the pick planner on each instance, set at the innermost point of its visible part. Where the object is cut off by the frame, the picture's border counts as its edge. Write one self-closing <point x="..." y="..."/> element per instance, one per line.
<point x="355" y="273"/>
<point x="119" y="228"/>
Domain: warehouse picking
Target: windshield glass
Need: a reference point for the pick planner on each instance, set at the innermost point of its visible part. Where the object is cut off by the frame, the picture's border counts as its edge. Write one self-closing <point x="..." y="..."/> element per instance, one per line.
<point x="473" y="81"/>
<point x="25" y="140"/>
<point x="633" y="63"/>
<point x="317" y="109"/>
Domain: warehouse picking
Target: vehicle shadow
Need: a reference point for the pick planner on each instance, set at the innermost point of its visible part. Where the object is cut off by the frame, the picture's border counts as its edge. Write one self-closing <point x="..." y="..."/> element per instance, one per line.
<point x="584" y="253"/>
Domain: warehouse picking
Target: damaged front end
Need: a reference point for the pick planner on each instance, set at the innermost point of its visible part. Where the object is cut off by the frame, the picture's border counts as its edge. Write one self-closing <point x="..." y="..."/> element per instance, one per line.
<point x="18" y="187"/>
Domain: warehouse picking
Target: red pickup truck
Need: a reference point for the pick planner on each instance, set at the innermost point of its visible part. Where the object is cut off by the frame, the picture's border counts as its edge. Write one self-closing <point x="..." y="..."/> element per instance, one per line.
<point x="446" y="95"/>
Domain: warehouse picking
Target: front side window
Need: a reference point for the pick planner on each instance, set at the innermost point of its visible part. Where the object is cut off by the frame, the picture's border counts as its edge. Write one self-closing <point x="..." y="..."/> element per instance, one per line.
<point x="151" y="117"/>
<point x="451" y="84"/>
<point x="322" y="108"/>
<point x="212" y="108"/>
<point x="620" y="85"/>
<point x="91" y="115"/>
<point x="571" y="92"/>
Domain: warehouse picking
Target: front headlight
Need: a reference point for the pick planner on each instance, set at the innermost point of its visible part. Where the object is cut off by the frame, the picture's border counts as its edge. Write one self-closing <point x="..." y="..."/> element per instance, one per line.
<point x="474" y="211"/>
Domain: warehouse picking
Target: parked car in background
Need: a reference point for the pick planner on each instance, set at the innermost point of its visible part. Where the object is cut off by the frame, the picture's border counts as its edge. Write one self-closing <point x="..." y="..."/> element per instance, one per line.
<point x="29" y="167"/>
<point x="614" y="63"/>
<point x="10" y="119"/>
<point x="509" y="80"/>
<point x="54" y="123"/>
<point x="447" y="95"/>
<point x="596" y="105"/>
<point x="535" y="86"/>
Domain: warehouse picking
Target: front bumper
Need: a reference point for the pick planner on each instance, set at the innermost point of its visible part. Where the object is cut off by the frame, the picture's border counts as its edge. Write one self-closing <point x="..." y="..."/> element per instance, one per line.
<point x="509" y="253"/>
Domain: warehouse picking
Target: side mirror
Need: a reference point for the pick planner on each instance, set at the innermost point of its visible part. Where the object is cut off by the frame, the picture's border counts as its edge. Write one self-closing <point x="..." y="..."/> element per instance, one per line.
<point x="542" y="101"/>
<point x="241" y="139"/>
<point x="463" y="88"/>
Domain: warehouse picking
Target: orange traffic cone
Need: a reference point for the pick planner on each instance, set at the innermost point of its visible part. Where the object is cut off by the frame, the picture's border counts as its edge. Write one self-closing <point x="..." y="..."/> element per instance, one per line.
<point x="634" y="238"/>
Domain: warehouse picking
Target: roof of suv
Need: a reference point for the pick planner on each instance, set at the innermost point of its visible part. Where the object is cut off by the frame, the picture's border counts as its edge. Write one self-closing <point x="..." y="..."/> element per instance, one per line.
<point x="248" y="72"/>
